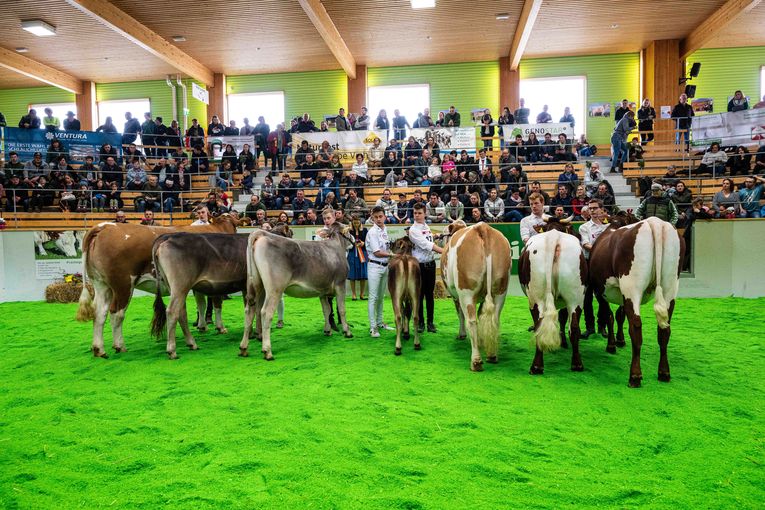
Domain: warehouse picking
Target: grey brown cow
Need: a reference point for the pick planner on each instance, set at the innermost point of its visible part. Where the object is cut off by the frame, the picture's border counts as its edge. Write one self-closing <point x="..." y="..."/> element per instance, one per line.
<point x="404" y="289"/>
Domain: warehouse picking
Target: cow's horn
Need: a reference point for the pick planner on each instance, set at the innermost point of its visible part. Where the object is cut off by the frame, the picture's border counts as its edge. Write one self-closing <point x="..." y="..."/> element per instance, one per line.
<point x="567" y="220"/>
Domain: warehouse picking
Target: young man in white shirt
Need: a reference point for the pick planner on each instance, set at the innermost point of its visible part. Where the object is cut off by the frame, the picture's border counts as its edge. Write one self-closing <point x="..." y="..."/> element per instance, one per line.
<point x="536" y="218"/>
<point x="203" y="216"/>
<point x="424" y="251"/>
<point x="377" y="271"/>
<point x="589" y="233"/>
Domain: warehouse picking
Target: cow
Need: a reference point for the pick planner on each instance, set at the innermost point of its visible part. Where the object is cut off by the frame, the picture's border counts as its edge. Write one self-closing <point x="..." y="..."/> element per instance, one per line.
<point x="277" y="265"/>
<point x="116" y="258"/>
<point x="404" y="289"/>
<point x="628" y="265"/>
<point x="552" y="271"/>
<point x="208" y="264"/>
<point x="475" y="269"/>
<point x="65" y="242"/>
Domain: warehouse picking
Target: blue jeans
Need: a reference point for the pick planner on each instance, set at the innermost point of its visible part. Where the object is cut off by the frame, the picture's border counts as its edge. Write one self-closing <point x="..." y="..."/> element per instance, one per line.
<point x="619" y="151"/>
<point x="142" y="205"/>
<point x="302" y="184"/>
<point x="681" y="134"/>
<point x="169" y="204"/>
<point x="513" y="215"/>
<point x="222" y="183"/>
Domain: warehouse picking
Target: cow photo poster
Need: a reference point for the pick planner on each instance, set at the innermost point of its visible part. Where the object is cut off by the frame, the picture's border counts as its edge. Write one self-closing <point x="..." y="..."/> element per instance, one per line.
<point x="57" y="253"/>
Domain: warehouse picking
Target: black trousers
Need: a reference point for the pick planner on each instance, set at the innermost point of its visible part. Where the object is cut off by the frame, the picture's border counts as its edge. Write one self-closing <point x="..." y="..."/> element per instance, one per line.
<point x="427" y="286"/>
<point x="589" y="313"/>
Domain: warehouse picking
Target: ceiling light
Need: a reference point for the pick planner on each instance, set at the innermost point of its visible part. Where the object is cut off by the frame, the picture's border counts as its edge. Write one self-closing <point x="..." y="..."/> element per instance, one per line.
<point x="614" y="26"/>
<point x="22" y="50"/>
<point x="423" y="4"/>
<point x="179" y="38"/>
<point x="503" y="16"/>
<point x="38" y="27"/>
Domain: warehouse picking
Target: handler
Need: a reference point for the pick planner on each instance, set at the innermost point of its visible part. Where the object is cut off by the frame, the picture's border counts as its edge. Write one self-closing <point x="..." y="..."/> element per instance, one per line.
<point x="377" y="271"/>
<point x="424" y="251"/>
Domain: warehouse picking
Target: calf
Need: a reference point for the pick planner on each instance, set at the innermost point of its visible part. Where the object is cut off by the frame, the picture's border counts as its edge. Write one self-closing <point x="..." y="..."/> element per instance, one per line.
<point x="404" y="289"/>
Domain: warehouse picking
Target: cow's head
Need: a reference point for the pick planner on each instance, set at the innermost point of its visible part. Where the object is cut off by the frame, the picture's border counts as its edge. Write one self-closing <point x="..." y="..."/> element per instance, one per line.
<point x="340" y="231"/>
<point x="282" y="229"/>
<point x="622" y="219"/>
<point x="231" y="219"/>
<point x="403" y="246"/>
<point x="560" y="224"/>
<point x="454" y="227"/>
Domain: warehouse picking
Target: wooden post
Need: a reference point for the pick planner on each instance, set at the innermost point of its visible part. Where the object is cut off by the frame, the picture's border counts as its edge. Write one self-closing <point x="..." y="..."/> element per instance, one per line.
<point x="357" y="90"/>
<point x="218" y="104"/>
<point x="86" y="106"/>
<point x="509" y="86"/>
<point x="662" y="69"/>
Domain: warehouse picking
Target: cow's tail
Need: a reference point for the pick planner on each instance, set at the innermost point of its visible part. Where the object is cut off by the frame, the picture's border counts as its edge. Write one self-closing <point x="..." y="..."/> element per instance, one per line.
<point x="547" y="334"/>
<point x="253" y="277"/>
<point x="660" y="307"/>
<point x="159" y="321"/>
<point x="85" y="311"/>
<point x="488" y="326"/>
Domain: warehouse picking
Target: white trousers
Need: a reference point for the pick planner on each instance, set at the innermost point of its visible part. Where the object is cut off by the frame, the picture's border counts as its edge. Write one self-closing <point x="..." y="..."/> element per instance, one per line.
<point x="377" y="276"/>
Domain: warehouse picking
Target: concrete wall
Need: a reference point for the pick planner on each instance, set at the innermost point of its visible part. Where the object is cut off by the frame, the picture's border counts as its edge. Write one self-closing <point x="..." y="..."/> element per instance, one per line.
<point x="726" y="262"/>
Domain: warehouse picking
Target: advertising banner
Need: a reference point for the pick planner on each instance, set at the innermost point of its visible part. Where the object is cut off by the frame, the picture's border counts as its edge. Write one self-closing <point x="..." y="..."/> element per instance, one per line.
<point x="554" y="128"/>
<point x="57" y="253"/>
<point x="732" y="128"/>
<point x="448" y="139"/>
<point x="218" y="144"/>
<point x="345" y="144"/>
<point x="79" y="143"/>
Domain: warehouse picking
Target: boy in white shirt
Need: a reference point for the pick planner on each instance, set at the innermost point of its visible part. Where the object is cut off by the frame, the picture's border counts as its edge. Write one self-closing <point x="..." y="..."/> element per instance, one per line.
<point x="377" y="271"/>
<point x="424" y="251"/>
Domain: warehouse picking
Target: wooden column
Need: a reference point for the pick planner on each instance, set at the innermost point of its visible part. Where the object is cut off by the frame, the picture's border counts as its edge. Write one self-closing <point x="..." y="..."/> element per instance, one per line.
<point x="663" y="67"/>
<point x="218" y="104"/>
<point x="86" y="106"/>
<point x="509" y="86"/>
<point x="357" y="90"/>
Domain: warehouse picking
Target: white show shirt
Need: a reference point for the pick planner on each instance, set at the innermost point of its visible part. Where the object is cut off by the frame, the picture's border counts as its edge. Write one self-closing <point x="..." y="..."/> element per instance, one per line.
<point x="589" y="233"/>
<point x="377" y="240"/>
<point x="422" y="237"/>
<point x="527" y="226"/>
<point x="201" y="222"/>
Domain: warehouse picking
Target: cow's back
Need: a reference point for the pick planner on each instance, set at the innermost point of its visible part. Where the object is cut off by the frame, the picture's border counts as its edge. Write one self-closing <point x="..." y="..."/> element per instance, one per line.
<point x="469" y="252"/>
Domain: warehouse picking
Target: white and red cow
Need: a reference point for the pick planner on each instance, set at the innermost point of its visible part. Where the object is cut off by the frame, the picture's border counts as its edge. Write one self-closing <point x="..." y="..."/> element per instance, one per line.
<point x="553" y="274"/>
<point x="630" y="264"/>
<point x="475" y="268"/>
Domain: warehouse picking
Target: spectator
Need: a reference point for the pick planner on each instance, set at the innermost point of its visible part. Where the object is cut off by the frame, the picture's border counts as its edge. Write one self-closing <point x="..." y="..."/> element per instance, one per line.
<point x="229" y="154"/>
<point x="713" y="162"/>
<point x="34" y="169"/>
<point x="120" y="217"/>
<point x="105" y="152"/>
<point x="215" y="128"/>
<point x="619" y="149"/>
<point x="454" y="209"/>
<point x="311" y="218"/>
<point x="583" y="147"/>
<point x="682" y="113"/>
<point x="170" y="193"/>
<point x="50" y="122"/>
<point x="114" y="198"/>
<point x="671" y="178"/>
<point x="360" y="167"/>
<point x="195" y="134"/>
<point x="544" y="116"/>
<point x="376" y="154"/>
<point x="30" y="120"/>
<point x="324" y="155"/>
<point x="465" y="164"/>
<point x="646" y="115"/>
<point x="535" y="219"/>
<point x="533" y="149"/>
<point x="396" y="147"/>
<point x="43" y="194"/>
<point x="635" y="150"/>
<point x="14" y="166"/>
<point x="412" y="151"/>
<point x="402" y="211"/>
<point x="224" y="175"/>
<point x="136" y="176"/>
<point x="741" y="162"/>
<point x="331" y="201"/>
<point x="173" y="138"/>
<point x="569" y="177"/>
<point x="231" y="129"/>
<point x="505" y="119"/>
<point x="682" y="197"/>
<point x="199" y="162"/>
<point x="448" y="165"/>
<point x="494" y="207"/>
<point x="278" y="145"/>
<point x="388" y="205"/>
<point x="750" y="196"/>
<point x="562" y="198"/>
<point x="487" y="129"/>
<point x="160" y="137"/>
<point x="70" y="123"/>
<point x="514" y="206"/>
<point x="353" y="181"/>
<point x="357" y="258"/>
<point x="3" y="122"/>
<point x="476" y="216"/>
<point x="432" y="147"/>
<point x="605" y="197"/>
<point x="621" y="110"/>
<point x="516" y="180"/>
<point x="112" y="172"/>
<point x="251" y="210"/>
<point x="452" y="118"/>
<point x="107" y="127"/>
<point x="506" y="162"/>
<point x="354" y="204"/>
<point x="382" y="123"/>
<point x="336" y="166"/>
<point x="328" y="183"/>
<point x="563" y="149"/>
<point x="738" y="102"/>
<point x="133" y="152"/>
<point x="424" y="120"/>
<point x="486" y="176"/>
<point x="727" y="198"/>
<point x="522" y="113"/>
<point x="131" y="129"/>
<point x="17" y="194"/>
<point x="148" y="218"/>
<point x="262" y="132"/>
<point x="435" y="210"/>
<point x="150" y="199"/>
<point x="547" y="151"/>
<point x="100" y="192"/>
<point x="362" y="121"/>
<point x="536" y="187"/>
<point x="658" y="205"/>
<point x="268" y="192"/>
<point x="518" y="149"/>
<point x="55" y="151"/>
<point x="246" y="129"/>
<point x="579" y="201"/>
<point x="308" y="172"/>
<point x="568" y="117"/>
<point x="306" y="125"/>
<point x="399" y="125"/>
<point x="417" y="173"/>
<point x="83" y="199"/>
<point x="246" y="159"/>
<point x="759" y="160"/>
<point x="303" y="150"/>
<point x="341" y="123"/>
<point x="434" y="171"/>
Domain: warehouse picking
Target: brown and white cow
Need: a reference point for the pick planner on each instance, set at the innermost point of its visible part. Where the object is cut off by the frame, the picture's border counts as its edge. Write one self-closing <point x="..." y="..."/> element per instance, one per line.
<point x="630" y="264"/>
<point x="116" y="258"/>
<point x="553" y="274"/>
<point x="475" y="268"/>
<point x="404" y="289"/>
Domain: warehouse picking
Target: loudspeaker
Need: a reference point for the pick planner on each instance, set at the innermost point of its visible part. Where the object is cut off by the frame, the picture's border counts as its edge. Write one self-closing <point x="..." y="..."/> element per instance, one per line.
<point x="690" y="91"/>
<point x="695" y="68"/>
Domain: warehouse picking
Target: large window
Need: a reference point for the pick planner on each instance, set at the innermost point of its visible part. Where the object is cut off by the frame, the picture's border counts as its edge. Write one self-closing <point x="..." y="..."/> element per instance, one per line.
<point x="408" y="99"/>
<point x="556" y="93"/>
<point x="269" y="105"/>
<point x="117" y="109"/>
<point x="762" y="85"/>
<point x="59" y="110"/>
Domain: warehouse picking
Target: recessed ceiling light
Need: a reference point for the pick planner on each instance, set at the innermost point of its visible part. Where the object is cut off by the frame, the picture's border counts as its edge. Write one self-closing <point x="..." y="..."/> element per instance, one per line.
<point x="38" y="27"/>
<point x="423" y="4"/>
<point x="179" y="38"/>
<point x="502" y="16"/>
<point x="22" y="50"/>
<point x="428" y="38"/>
<point x="615" y="25"/>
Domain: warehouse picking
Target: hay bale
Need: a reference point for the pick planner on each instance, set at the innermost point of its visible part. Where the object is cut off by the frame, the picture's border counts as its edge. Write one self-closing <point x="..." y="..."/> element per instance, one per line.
<point x="63" y="292"/>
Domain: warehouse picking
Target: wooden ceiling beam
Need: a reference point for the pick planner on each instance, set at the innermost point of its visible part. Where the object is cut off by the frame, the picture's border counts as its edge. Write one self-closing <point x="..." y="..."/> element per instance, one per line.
<point x="328" y="31"/>
<point x="24" y="65"/>
<point x="523" y="31"/>
<point x="128" y="27"/>
<point x="714" y="24"/>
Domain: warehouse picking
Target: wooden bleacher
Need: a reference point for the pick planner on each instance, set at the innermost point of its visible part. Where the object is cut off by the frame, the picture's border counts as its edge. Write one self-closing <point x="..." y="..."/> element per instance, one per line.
<point x="81" y="221"/>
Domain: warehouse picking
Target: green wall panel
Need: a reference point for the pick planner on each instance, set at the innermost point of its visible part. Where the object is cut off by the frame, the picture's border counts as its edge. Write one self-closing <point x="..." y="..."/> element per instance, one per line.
<point x="725" y="70"/>
<point x="466" y="85"/>
<point x="610" y="78"/>
<point x="14" y="103"/>
<point x="317" y="93"/>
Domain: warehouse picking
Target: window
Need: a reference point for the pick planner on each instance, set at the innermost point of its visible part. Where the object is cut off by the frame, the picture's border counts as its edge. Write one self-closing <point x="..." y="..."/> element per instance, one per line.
<point x="117" y="109"/>
<point x="556" y="93"/>
<point x="59" y="110"/>
<point x="409" y="100"/>
<point x="269" y="105"/>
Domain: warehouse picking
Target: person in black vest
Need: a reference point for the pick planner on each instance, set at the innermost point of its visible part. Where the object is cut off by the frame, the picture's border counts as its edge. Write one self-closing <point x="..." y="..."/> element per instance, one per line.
<point x="682" y="113"/>
<point x="70" y="123"/>
<point x="645" y="116"/>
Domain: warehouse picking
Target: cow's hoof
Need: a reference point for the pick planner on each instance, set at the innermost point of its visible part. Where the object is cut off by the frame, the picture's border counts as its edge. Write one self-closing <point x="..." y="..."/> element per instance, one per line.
<point x="491" y="359"/>
<point x="664" y="376"/>
<point x="405" y="335"/>
<point x="194" y="347"/>
<point x="611" y="349"/>
<point x="172" y="355"/>
<point x="635" y="381"/>
<point x="348" y="335"/>
<point x="577" y="368"/>
<point x="535" y="370"/>
<point x="243" y="353"/>
<point x="417" y="347"/>
<point x="99" y="354"/>
<point x="621" y="343"/>
<point x="221" y="331"/>
<point x="268" y="356"/>
<point x="279" y="324"/>
<point x="119" y="349"/>
<point x="461" y="337"/>
<point x="202" y="330"/>
<point x="327" y="333"/>
<point x="397" y="351"/>
<point x="476" y="366"/>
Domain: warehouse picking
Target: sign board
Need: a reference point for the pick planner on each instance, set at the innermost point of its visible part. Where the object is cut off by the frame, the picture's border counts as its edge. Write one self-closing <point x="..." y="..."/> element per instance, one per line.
<point x="200" y="93"/>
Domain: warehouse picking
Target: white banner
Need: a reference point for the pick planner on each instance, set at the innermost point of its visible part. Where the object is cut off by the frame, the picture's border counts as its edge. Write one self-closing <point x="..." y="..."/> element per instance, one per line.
<point x="734" y="128"/>
<point x="448" y="139"/>
<point x="345" y="144"/>
<point x="554" y="128"/>
<point x="200" y="93"/>
<point x="218" y="144"/>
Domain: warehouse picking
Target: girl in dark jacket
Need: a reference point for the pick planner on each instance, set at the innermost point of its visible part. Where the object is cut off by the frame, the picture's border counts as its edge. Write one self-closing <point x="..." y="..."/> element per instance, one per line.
<point x="533" y="148"/>
<point x="741" y="162"/>
<point x="230" y="155"/>
<point x="487" y="129"/>
<point x="55" y="151"/>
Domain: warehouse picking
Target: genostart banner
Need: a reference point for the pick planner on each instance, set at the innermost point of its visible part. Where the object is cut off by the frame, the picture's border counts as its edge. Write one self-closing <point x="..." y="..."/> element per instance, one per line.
<point x="79" y="143"/>
<point x="345" y="144"/>
<point x="733" y="128"/>
<point x="218" y="144"/>
<point x="448" y="139"/>
<point x="554" y="128"/>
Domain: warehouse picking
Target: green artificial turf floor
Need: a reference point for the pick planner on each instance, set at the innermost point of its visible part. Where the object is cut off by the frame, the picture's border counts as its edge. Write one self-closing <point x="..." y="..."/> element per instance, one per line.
<point x="342" y="423"/>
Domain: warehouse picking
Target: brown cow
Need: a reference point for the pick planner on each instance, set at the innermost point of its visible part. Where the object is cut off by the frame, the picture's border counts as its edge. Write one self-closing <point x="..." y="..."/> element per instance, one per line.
<point x="116" y="259"/>
<point x="404" y="290"/>
<point x="475" y="268"/>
